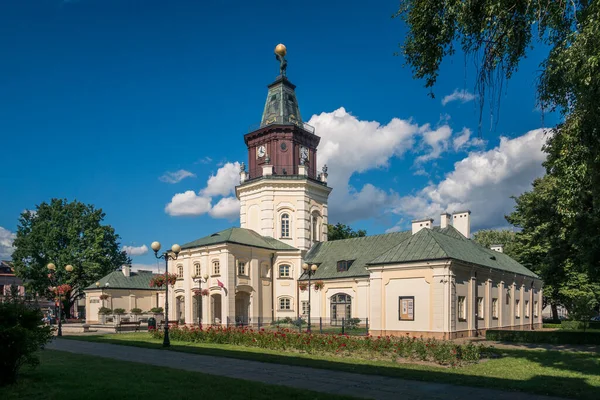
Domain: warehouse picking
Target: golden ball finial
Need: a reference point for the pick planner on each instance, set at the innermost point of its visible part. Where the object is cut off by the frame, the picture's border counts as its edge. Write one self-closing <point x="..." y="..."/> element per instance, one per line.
<point x="280" y="50"/>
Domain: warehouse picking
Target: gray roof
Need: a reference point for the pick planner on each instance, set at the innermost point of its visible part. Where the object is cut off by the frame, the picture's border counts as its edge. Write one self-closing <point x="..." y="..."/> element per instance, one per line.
<point x="241" y="236"/>
<point x="139" y="280"/>
<point x="403" y="247"/>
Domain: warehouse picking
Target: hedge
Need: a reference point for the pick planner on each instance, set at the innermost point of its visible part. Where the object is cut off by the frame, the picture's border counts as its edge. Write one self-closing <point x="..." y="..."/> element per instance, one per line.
<point x="551" y="337"/>
<point x="579" y="325"/>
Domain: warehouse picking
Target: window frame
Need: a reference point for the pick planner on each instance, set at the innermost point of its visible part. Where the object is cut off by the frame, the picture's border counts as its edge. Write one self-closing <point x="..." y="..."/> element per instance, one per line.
<point x="461" y="305"/>
<point x="285" y="230"/>
<point x="517" y="308"/>
<point x="197" y="269"/>
<point x="410" y="298"/>
<point x="527" y="312"/>
<point x="180" y="271"/>
<point x="535" y="309"/>
<point x="495" y="308"/>
<point x="289" y="271"/>
<point x="480" y="304"/>
<point x="216" y="268"/>
<point x="289" y="303"/>
<point x="304" y="307"/>
<point x="244" y="265"/>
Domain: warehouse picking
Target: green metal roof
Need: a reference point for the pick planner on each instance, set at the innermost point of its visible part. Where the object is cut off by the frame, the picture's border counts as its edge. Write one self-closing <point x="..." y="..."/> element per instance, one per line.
<point x="435" y="244"/>
<point x="139" y="280"/>
<point x="361" y="250"/>
<point x="401" y="247"/>
<point x="240" y="236"/>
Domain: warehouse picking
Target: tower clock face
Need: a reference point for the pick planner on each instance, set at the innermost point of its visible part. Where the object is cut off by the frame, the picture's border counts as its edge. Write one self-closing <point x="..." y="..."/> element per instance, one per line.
<point x="261" y="151"/>
<point x="303" y="153"/>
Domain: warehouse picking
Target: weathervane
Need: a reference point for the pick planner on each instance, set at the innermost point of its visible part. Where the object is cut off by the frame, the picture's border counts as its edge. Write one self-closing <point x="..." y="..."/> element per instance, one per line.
<point x="280" y="52"/>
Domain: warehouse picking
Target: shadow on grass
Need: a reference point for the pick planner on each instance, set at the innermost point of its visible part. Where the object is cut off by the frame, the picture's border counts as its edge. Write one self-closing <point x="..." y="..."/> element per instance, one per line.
<point x="544" y="382"/>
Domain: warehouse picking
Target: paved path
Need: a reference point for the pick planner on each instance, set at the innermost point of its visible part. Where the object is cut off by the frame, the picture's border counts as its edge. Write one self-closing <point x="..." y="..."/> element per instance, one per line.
<point x="320" y="380"/>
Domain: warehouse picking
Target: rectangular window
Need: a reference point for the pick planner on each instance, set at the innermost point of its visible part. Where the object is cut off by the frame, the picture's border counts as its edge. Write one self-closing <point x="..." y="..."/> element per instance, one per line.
<point x="344" y="265"/>
<point x="216" y="268"/>
<point x="242" y="268"/>
<point x="495" y="308"/>
<point x="406" y="308"/>
<point x="284" y="271"/>
<point x="517" y="309"/>
<point x="285" y="225"/>
<point x="462" y="308"/>
<point x="535" y="309"/>
<point x="180" y="271"/>
<point x="285" y="303"/>
<point x="526" y="308"/>
<point x="480" y="308"/>
<point x="305" y="308"/>
<point x="197" y="270"/>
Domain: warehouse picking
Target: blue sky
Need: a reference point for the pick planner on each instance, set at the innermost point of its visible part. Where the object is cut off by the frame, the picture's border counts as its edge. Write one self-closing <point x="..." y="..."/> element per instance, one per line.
<point x="99" y="99"/>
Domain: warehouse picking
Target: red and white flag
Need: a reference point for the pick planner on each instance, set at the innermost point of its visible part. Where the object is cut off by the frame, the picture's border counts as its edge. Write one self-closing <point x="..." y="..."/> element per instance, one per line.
<point x="220" y="284"/>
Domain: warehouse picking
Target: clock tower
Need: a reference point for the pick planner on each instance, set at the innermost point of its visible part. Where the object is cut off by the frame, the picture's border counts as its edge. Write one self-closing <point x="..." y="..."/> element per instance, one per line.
<point x="281" y="194"/>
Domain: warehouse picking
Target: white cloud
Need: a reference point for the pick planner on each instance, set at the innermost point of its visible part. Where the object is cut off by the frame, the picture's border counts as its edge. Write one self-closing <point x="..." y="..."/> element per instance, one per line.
<point x="227" y="207"/>
<point x="464" y="141"/>
<point x="177" y="176"/>
<point x="136" y="251"/>
<point x="350" y="146"/>
<point x="188" y="204"/>
<point x="224" y="181"/>
<point x="221" y="184"/>
<point x="6" y="243"/>
<point x="483" y="182"/>
<point x="436" y="140"/>
<point x="463" y="95"/>
<point x="204" y="160"/>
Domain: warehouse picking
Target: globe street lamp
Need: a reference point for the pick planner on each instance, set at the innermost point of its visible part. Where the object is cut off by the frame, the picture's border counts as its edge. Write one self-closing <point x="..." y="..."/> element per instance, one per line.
<point x="310" y="270"/>
<point x="54" y="279"/>
<point x="175" y="249"/>
<point x="200" y="279"/>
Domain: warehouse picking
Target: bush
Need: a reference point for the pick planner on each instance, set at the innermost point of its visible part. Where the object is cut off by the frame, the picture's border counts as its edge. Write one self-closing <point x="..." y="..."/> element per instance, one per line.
<point x="136" y="311"/>
<point x="352" y="323"/>
<point x="579" y="325"/>
<point x="551" y="337"/>
<point x="156" y="310"/>
<point x="119" y="311"/>
<point x="551" y="326"/>
<point x="22" y="334"/>
<point x="442" y="352"/>
<point x="105" y="311"/>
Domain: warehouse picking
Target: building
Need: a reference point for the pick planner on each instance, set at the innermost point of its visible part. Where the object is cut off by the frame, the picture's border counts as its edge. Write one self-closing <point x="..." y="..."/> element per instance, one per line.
<point x="429" y="281"/>
<point x="122" y="289"/>
<point x="8" y="280"/>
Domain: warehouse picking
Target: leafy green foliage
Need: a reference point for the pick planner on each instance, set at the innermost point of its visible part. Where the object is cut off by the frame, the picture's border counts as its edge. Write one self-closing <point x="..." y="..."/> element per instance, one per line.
<point x="105" y="311"/>
<point x="119" y="311"/>
<point x="551" y="337"/>
<point x="136" y="311"/>
<point x="64" y="233"/>
<point x="578" y="325"/>
<point x="22" y="334"/>
<point x="156" y="310"/>
<point x="488" y="237"/>
<point x="341" y="231"/>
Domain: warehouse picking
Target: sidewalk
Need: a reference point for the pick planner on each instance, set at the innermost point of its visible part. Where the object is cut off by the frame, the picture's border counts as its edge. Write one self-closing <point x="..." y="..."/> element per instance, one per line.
<point x="320" y="380"/>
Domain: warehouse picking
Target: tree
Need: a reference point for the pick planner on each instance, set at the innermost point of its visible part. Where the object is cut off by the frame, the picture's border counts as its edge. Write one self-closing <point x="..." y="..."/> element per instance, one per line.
<point x="65" y="233"/>
<point x="340" y="231"/>
<point x="499" y="33"/>
<point x="488" y="237"/>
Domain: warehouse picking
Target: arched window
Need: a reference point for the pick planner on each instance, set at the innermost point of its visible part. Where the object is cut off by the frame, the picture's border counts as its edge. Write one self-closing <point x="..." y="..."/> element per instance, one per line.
<point x="285" y="303"/>
<point x="341" y="307"/>
<point x="216" y="270"/>
<point x="285" y="225"/>
<point x="197" y="269"/>
<point x="285" y="271"/>
<point x="315" y="234"/>
<point x="180" y="271"/>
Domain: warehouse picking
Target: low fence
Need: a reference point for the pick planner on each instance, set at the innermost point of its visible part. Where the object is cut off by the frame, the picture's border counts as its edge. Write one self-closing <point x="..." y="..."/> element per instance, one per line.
<point x="346" y="326"/>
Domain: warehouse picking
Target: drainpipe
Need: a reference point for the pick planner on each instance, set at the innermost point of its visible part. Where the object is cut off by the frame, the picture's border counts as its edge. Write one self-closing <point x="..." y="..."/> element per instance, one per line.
<point x="531" y="299"/>
<point x="476" y="301"/>
<point x="272" y="287"/>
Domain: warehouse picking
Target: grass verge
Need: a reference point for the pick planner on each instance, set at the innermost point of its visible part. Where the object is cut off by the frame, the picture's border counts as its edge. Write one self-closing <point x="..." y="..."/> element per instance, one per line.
<point x="67" y="376"/>
<point x="564" y="374"/>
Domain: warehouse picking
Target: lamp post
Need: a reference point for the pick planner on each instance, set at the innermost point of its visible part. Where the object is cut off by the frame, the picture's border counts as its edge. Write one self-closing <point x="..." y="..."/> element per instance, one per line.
<point x="200" y="279"/>
<point x="175" y="249"/>
<point x="53" y="275"/>
<point x="310" y="270"/>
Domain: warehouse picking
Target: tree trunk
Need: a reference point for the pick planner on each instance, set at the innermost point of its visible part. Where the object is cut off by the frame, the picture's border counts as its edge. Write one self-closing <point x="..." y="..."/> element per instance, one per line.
<point x="554" y="308"/>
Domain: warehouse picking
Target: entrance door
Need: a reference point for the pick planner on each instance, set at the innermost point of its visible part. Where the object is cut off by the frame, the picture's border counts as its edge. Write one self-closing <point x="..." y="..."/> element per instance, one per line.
<point x="242" y="306"/>
<point x="215" y="305"/>
<point x="341" y="307"/>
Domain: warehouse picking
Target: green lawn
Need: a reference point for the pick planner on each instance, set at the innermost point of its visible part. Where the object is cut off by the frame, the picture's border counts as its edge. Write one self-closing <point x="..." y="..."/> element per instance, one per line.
<point x="564" y="374"/>
<point x="64" y="376"/>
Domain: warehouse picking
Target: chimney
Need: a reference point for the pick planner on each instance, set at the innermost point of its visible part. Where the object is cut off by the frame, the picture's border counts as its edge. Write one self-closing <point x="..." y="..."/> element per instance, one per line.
<point x="419" y="224"/>
<point x="126" y="270"/>
<point x="497" y="247"/>
<point x="462" y="222"/>
<point x="445" y="220"/>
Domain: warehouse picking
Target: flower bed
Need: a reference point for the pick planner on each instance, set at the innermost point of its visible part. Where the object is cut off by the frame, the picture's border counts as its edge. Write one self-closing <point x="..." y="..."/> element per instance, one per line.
<point x="409" y="348"/>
